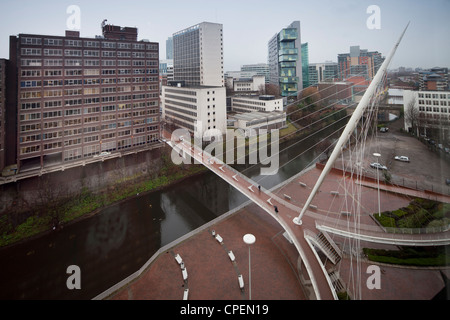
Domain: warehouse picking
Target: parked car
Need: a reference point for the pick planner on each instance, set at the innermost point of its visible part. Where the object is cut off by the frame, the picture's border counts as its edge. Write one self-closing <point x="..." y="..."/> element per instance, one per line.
<point x="384" y="129"/>
<point x="103" y="154"/>
<point x="378" y="166"/>
<point x="402" y="158"/>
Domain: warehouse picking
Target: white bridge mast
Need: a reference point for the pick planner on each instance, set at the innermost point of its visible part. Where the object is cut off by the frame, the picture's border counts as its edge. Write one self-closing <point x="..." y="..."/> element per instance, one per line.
<point x="351" y="125"/>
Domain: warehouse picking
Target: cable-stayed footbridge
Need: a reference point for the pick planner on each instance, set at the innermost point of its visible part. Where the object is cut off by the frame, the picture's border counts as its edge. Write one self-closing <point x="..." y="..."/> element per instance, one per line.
<point x="308" y="230"/>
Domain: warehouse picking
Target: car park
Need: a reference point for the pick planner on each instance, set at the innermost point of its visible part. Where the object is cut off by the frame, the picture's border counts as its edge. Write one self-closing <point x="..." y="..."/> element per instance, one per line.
<point x="378" y="166"/>
<point x="402" y="158"/>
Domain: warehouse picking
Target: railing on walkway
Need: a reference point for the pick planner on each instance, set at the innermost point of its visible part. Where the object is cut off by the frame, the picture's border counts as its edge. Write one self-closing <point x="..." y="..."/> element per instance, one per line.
<point x="428" y="230"/>
<point x="378" y="235"/>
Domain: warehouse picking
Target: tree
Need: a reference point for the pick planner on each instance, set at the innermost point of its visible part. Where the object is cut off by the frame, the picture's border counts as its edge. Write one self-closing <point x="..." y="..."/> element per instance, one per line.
<point x="295" y="111"/>
<point x="310" y="96"/>
<point x="50" y="199"/>
<point x="272" y="89"/>
<point x="412" y="115"/>
<point x="262" y="89"/>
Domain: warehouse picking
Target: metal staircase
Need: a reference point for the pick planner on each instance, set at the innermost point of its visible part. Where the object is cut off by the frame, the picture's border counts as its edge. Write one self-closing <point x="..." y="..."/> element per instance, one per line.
<point x="329" y="247"/>
<point x="324" y="242"/>
<point x="336" y="281"/>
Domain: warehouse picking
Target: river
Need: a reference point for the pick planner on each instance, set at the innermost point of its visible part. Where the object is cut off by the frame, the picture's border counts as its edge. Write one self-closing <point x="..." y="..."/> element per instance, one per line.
<point x="116" y="242"/>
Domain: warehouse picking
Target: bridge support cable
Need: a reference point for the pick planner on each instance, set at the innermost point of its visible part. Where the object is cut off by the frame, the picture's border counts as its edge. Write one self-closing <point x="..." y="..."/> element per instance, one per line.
<point x="356" y="116"/>
<point x="303" y="128"/>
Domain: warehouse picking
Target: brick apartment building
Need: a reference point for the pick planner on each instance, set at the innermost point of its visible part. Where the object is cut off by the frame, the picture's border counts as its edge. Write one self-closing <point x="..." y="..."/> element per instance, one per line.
<point x="359" y="62"/>
<point x="78" y="97"/>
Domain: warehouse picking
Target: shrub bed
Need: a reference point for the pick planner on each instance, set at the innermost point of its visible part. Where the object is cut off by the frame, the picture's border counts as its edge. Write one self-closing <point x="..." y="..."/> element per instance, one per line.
<point x="420" y="213"/>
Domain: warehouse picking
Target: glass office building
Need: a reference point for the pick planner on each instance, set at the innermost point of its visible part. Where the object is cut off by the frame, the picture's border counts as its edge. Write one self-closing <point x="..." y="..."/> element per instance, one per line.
<point x="305" y="65"/>
<point x="285" y="67"/>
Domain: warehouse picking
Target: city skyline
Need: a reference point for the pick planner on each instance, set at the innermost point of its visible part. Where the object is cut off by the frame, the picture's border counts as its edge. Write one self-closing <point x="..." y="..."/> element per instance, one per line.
<point x="329" y="27"/>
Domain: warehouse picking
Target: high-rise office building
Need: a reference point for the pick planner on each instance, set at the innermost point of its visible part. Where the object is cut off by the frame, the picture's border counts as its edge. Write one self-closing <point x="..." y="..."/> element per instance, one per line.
<point x="359" y="62"/>
<point x="198" y="55"/>
<point x="196" y="98"/>
<point x="285" y="60"/>
<point x="78" y="97"/>
<point x="319" y="72"/>
<point x="169" y="48"/>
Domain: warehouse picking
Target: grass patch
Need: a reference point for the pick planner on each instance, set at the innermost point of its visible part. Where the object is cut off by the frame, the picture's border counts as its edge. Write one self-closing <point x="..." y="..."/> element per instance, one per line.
<point x="32" y="226"/>
<point x="385" y="220"/>
<point x="289" y="130"/>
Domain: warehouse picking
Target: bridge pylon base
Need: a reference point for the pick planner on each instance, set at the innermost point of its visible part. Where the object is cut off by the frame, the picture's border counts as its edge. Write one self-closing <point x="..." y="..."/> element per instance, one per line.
<point x="297" y="221"/>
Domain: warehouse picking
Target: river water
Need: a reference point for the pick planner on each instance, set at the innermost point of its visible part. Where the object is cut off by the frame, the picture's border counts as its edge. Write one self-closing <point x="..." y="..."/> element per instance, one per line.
<point x="116" y="242"/>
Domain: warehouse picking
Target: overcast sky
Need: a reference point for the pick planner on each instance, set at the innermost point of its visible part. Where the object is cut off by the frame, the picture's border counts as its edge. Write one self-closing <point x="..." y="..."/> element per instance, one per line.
<point x="329" y="26"/>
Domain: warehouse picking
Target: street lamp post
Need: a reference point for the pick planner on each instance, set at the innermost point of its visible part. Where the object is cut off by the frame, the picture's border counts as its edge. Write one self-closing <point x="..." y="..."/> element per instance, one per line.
<point x="377" y="155"/>
<point x="249" y="239"/>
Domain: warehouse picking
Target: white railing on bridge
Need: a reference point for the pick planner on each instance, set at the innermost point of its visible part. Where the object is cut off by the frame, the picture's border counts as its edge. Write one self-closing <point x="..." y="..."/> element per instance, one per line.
<point x="378" y="235"/>
<point x="264" y="190"/>
<point x="427" y="230"/>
